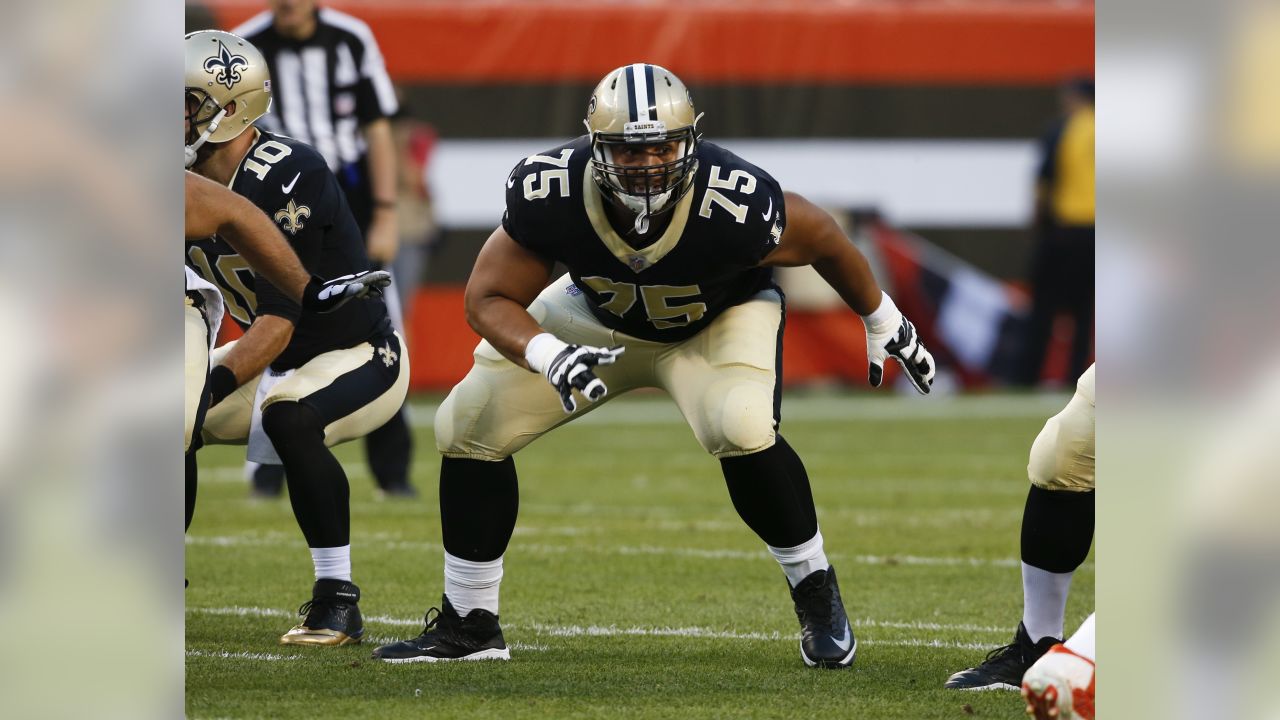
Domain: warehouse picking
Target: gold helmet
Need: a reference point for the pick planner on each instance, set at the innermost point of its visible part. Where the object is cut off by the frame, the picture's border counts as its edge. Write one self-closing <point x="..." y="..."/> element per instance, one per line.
<point x="642" y="104"/>
<point x="228" y="87"/>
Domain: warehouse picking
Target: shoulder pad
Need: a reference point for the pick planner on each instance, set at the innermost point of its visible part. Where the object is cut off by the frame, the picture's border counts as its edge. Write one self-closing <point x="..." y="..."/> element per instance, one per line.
<point x="742" y="201"/>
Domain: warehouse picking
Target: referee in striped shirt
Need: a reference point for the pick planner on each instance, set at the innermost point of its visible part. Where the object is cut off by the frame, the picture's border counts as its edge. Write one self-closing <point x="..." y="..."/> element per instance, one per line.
<point x="331" y="90"/>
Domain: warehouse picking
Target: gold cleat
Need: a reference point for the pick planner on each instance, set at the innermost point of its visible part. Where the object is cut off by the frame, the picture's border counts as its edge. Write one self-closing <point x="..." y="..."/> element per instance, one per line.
<point x="303" y="635"/>
<point x="330" y="618"/>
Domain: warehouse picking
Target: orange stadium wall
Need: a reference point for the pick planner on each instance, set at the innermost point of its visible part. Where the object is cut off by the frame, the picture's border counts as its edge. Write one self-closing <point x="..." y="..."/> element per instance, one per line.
<point x="931" y="41"/>
<point x="942" y="46"/>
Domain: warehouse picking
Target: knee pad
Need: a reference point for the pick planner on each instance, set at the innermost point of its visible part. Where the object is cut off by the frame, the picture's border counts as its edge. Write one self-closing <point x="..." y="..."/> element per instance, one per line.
<point x="745" y="423"/>
<point x="1062" y="457"/>
<point x="458" y="421"/>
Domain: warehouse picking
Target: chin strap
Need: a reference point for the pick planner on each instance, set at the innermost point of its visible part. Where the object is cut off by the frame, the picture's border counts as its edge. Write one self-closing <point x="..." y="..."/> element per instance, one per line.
<point x="189" y="154"/>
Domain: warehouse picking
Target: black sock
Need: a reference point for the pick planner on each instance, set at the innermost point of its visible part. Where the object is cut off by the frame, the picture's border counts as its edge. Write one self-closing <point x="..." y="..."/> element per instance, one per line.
<point x="1057" y="529"/>
<point x="318" y="487"/>
<point x="479" y="501"/>
<point x="191" y="487"/>
<point x="770" y="490"/>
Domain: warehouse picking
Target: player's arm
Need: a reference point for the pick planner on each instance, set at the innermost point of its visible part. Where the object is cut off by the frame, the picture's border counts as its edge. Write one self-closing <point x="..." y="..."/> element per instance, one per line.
<point x="812" y="237"/>
<point x="505" y="280"/>
<point x="384" y="234"/>
<point x="213" y="209"/>
<point x="265" y="339"/>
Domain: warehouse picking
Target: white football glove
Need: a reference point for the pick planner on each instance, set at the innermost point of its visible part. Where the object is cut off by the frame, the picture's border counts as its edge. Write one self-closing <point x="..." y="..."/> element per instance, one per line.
<point x="570" y="366"/>
<point x="890" y="334"/>
<point x="325" y="296"/>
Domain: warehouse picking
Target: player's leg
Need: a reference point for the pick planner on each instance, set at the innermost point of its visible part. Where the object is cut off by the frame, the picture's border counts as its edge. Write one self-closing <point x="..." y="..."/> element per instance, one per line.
<point x="227" y="423"/>
<point x="1061" y="684"/>
<point x="725" y="381"/>
<point x="389" y="448"/>
<point x="196" y="397"/>
<point x="1045" y="291"/>
<point x="497" y="409"/>
<point x="1057" y="530"/>
<point x="337" y="396"/>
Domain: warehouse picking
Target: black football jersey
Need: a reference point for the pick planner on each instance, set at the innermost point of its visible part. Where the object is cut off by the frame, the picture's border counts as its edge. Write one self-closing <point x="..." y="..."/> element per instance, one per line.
<point x="291" y="183"/>
<point x="706" y="260"/>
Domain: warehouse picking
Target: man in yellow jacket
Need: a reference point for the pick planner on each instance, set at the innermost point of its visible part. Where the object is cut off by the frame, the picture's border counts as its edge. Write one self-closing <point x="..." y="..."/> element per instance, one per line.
<point x="1062" y="267"/>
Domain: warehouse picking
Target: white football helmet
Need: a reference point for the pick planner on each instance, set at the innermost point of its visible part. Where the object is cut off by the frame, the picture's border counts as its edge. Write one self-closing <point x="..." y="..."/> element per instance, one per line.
<point x="642" y="104"/>
<point x="228" y="86"/>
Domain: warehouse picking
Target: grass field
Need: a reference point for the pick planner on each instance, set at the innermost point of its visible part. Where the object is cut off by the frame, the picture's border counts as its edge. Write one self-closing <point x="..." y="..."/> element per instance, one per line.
<point x="632" y="589"/>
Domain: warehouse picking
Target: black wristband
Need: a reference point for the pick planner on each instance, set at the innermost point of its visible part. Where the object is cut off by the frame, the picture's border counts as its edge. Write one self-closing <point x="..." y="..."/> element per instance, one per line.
<point x="311" y="293"/>
<point x="222" y="382"/>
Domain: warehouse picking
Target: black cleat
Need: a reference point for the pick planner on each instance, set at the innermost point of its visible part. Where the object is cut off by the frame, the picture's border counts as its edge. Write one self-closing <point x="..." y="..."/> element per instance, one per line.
<point x="1003" y="668"/>
<point x="267" y="482"/>
<point x="331" y="616"/>
<point x="826" y="638"/>
<point x="398" y="491"/>
<point x="449" y="637"/>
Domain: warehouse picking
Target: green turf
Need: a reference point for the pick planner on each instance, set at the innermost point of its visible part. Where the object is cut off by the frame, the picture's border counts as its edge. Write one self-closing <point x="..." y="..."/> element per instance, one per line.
<point x="632" y="589"/>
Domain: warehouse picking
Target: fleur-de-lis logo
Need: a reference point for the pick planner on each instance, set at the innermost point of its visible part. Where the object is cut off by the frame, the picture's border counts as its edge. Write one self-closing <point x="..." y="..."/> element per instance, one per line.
<point x="389" y="356"/>
<point x="227" y="66"/>
<point x="776" y="233"/>
<point x="290" y="218"/>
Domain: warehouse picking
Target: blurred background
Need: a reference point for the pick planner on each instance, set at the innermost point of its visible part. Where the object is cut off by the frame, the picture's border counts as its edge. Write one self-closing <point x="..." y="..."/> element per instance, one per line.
<point x="923" y="126"/>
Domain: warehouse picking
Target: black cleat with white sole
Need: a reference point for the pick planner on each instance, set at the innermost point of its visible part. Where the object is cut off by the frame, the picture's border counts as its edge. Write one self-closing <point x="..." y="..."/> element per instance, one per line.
<point x="1003" y="667"/>
<point x="826" y="638"/>
<point x="448" y="637"/>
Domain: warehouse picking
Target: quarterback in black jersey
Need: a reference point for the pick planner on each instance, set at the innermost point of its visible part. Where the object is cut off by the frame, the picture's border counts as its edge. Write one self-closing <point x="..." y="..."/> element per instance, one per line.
<point x="298" y="382"/>
<point x="213" y="209"/>
<point x="669" y="242"/>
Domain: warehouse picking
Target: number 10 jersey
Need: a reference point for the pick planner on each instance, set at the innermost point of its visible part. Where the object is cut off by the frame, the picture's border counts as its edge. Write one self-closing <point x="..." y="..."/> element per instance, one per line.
<point x="290" y="182"/>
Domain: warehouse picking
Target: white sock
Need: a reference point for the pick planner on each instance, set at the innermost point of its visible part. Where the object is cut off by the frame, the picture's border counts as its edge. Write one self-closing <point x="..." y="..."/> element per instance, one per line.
<point x="1082" y="643"/>
<point x="803" y="560"/>
<point x="333" y="563"/>
<point x="470" y="585"/>
<point x="1044" y="601"/>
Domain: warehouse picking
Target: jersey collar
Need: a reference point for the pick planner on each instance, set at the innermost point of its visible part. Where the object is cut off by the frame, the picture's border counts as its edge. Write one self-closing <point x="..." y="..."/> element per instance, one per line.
<point x="636" y="260"/>
<point x="257" y="137"/>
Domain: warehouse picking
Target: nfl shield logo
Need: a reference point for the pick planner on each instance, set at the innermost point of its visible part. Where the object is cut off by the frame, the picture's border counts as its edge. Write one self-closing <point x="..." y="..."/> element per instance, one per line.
<point x="637" y="263"/>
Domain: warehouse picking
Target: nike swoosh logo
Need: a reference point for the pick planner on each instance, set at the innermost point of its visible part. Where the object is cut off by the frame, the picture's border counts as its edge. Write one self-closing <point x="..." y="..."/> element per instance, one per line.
<point x="769" y="212"/>
<point x="286" y="189"/>
<point x="511" y="182"/>
<point x="845" y="642"/>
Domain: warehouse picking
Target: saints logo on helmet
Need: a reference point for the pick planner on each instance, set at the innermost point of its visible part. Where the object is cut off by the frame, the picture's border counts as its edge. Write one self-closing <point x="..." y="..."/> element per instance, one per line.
<point x="228" y="87"/>
<point x="635" y="106"/>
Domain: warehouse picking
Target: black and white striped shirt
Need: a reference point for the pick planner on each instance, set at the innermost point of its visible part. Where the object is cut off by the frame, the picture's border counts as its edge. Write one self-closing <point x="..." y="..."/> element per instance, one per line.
<point x="326" y="87"/>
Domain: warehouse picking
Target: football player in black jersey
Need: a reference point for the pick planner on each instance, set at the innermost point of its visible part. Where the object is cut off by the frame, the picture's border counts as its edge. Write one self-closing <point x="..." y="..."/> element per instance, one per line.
<point x="669" y="242"/>
<point x="298" y="382"/>
<point x="213" y="209"/>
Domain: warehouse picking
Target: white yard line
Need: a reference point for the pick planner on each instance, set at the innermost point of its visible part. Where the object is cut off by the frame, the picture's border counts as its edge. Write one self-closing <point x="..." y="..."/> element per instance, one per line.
<point x="550" y="630"/>
<point x="280" y="540"/>
<point x="223" y="654"/>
